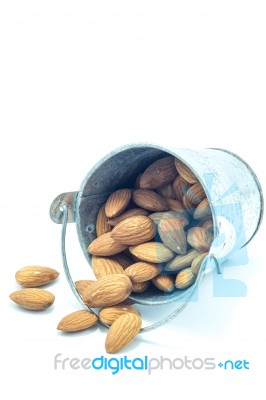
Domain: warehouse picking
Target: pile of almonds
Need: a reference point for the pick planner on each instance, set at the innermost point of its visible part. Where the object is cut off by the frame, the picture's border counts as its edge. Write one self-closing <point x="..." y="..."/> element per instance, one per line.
<point x="155" y="234"/>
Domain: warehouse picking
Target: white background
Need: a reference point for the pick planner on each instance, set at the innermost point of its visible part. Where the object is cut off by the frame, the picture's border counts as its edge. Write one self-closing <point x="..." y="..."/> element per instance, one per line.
<point x="78" y="79"/>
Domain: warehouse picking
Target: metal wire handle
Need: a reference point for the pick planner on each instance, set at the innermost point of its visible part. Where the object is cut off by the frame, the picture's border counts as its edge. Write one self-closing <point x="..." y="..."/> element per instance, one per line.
<point x="158" y="324"/>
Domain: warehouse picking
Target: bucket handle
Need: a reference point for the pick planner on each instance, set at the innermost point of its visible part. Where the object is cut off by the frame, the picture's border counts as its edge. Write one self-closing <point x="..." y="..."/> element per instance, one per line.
<point x="64" y="220"/>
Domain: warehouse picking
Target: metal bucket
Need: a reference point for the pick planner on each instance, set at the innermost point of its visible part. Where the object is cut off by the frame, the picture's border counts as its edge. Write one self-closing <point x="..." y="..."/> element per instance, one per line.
<point x="232" y="188"/>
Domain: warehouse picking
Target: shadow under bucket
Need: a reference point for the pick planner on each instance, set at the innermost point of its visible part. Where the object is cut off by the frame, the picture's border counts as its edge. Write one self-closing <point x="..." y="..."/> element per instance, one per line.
<point x="232" y="189"/>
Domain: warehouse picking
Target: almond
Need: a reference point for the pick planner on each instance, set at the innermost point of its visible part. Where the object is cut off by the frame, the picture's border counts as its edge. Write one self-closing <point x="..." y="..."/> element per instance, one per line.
<point x="158" y="173"/>
<point x="83" y="285"/>
<point x="185" y="172"/>
<point x="140" y="287"/>
<point x="149" y="200"/>
<point x="126" y="214"/>
<point x="103" y="266"/>
<point x="175" y="205"/>
<point x="200" y="239"/>
<point x="180" y="187"/>
<point x="172" y="233"/>
<point x="181" y="216"/>
<point x="141" y="271"/>
<point x="166" y="283"/>
<point x="33" y="299"/>
<point x="196" y="193"/>
<point x="152" y="252"/>
<point x="108" y="291"/>
<point x="203" y="210"/>
<point x="182" y="261"/>
<point x="184" y="279"/>
<point x="134" y="230"/>
<point x="102" y="225"/>
<point x="166" y="191"/>
<point x="108" y="315"/>
<point x="137" y="182"/>
<point x="196" y="263"/>
<point x="77" y="321"/>
<point x="105" y="245"/>
<point x="207" y="224"/>
<point x="189" y="206"/>
<point x="122" y="332"/>
<point x="35" y="275"/>
<point x="117" y="202"/>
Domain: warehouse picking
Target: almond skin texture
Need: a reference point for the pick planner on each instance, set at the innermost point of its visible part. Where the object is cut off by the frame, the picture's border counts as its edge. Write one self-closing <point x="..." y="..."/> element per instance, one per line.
<point x="159" y="173"/>
<point x="33" y="299"/>
<point x="140" y="287"/>
<point x="196" y="193"/>
<point x="166" y="283"/>
<point x="181" y="261"/>
<point x="184" y="279"/>
<point x="108" y="315"/>
<point x="149" y="200"/>
<point x="103" y="266"/>
<point x="102" y="225"/>
<point x="175" y="205"/>
<point x="172" y="233"/>
<point x="185" y="172"/>
<point x="108" y="291"/>
<point x="77" y="321"/>
<point x="203" y="210"/>
<point x="34" y="276"/>
<point x="126" y="214"/>
<point x="152" y="252"/>
<point x="134" y="230"/>
<point x="200" y="239"/>
<point x="83" y="285"/>
<point x="105" y="246"/>
<point x="166" y="191"/>
<point x="196" y="263"/>
<point x="141" y="271"/>
<point x="122" y="332"/>
<point x="180" y="187"/>
<point x="117" y="202"/>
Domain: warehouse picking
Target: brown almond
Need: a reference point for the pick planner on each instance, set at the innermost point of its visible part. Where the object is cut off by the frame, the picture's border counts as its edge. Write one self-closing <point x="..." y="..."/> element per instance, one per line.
<point x="149" y="200"/>
<point x="134" y="230"/>
<point x="180" y="187"/>
<point x="189" y="206"/>
<point x="203" y="210"/>
<point x="83" y="285"/>
<point x="77" y="321"/>
<point x="142" y="271"/>
<point x="140" y="287"/>
<point x="108" y="291"/>
<point x="108" y="315"/>
<point x="137" y="182"/>
<point x="105" y="245"/>
<point x="134" y="212"/>
<point x="200" y="239"/>
<point x="102" y="225"/>
<point x="181" y="261"/>
<point x="175" y="205"/>
<point x="34" y="276"/>
<point x="159" y="173"/>
<point x="153" y="252"/>
<point x="117" y="202"/>
<point x="166" y="283"/>
<point x="124" y="329"/>
<point x="172" y="234"/>
<point x="185" y="279"/>
<point x="103" y="266"/>
<point x="196" y="263"/>
<point x="196" y="193"/>
<point x="166" y="191"/>
<point x="33" y="299"/>
<point x="185" y="172"/>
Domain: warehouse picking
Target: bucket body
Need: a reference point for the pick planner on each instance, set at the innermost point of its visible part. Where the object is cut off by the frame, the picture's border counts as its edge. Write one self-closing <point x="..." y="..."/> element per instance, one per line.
<point x="232" y="189"/>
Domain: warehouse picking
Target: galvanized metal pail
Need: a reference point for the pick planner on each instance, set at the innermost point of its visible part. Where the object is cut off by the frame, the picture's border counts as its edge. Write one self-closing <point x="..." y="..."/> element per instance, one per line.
<point x="232" y="188"/>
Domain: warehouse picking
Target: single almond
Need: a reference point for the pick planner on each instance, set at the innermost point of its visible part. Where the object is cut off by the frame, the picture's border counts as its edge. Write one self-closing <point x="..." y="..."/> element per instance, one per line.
<point x="196" y="193"/>
<point x="203" y="210"/>
<point x="166" y="283"/>
<point x="124" y="329"/>
<point x="34" y="276"/>
<point x="172" y="234"/>
<point x="200" y="239"/>
<point x="83" y="285"/>
<point x="33" y="299"/>
<point x="108" y="291"/>
<point x="175" y="205"/>
<point x="196" y="263"/>
<point x="105" y="245"/>
<point x="103" y="266"/>
<point x="140" y="287"/>
<point x="185" y="172"/>
<point x="134" y="230"/>
<point x="153" y="252"/>
<point x="166" y="191"/>
<point x="102" y="225"/>
<point x="149" y="200"/>
<point x="158" y="173"/>
<point x="185" y="279"/>
<point x="180" y="187"/>
<point x="126" y="214"/>
<point x="117" y="202"/>
<point x="181" y="261"/>
<point x="108" y="315"/>
<point x="77" y="321"/>
<point x="142" y="271"/>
